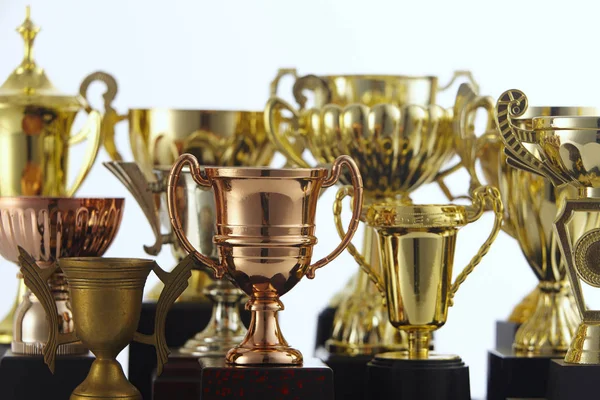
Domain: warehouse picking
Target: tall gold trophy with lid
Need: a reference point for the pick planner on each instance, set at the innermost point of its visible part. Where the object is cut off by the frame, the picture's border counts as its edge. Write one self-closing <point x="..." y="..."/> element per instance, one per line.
<point x="36" y="121"/>
<point x="563" y="150"/>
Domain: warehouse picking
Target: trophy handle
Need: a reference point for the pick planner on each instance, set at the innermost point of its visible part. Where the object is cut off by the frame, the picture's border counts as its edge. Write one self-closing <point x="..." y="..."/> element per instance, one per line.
<point x="272" y="113"/>
<point x="310" y="82"/>
<point x="192" y="162"/>
<point x="481" y="196"/>
<point x="175" y="283"/>
<point x="357" y="191"/>
<point x="110" y="117"/>
<point x="364" y="265"/>
<point x="36" y="280"/>
<point x="460" y="74"/>
<point x="132" y="177"/>
<point x="281" y="72"/>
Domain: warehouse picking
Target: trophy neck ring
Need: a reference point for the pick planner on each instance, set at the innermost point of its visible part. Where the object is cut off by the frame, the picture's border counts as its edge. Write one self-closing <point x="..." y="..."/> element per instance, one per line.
<point x="416" y="216"/>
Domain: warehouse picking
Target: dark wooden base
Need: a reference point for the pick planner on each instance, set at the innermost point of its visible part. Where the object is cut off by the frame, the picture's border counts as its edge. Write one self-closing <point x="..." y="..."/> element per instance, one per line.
<point x="324" y="326"/>
<point x="27" y="377"/>
<point x="572" y="381"/>
<point x="510" y="376"/>
<point x="210" y="378"/>
<point x="505" y="334"/>
<point x="349" y="374"/>
<point x="417" y="380"/>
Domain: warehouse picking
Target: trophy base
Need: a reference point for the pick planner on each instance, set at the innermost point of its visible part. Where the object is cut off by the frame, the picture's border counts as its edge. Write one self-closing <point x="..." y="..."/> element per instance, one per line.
<point x="505" y="334"/>
<point x="512" y="376"/>
<point x="24" y="377"/>
<point x="348" y="373"/>
<point x="186" y="378"/>
<point x="572" y="381"/>
<point x="36" y="349"/>
<point x="324" y="326"/>
<point x="260" y="356"/>
<point x="440" y="377"/>
<point x="105" y="380"/>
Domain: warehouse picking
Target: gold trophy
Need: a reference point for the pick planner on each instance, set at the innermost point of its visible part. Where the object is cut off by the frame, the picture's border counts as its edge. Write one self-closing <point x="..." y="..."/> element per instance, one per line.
<point x="265" y="237"/>
<point x="563" y="150"/>
<point x="106" y="297"/>
<point x="398" y="145"/>
<point x="35" y="138"/>
<point x="416" y="246"/>
<point x="50" y="228"/>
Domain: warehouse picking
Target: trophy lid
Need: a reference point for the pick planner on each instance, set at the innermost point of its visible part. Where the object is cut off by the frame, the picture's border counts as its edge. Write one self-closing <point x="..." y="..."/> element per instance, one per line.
<point x="29" y="85"/>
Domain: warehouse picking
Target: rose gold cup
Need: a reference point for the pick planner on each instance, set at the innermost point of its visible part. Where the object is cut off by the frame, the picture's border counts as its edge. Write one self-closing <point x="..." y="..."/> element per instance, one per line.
<point x="265" y="229"/>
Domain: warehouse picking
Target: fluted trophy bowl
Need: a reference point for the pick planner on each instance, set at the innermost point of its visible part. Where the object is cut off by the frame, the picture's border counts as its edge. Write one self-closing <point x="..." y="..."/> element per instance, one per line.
<point x="50" y="228"/>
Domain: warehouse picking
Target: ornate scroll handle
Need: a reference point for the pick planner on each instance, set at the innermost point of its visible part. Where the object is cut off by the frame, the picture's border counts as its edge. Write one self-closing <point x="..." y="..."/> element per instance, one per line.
<point x="132" y="177"/>
<point x="272" y="114"/>
<point x="357" y="185"/>
<point x="91" y="131"/>
<point x="313" y="83"/>
<point x="364" y="265"/>
<point x="467" y="104"/>
<point x="110" y="117"/>
<point x="192" y="162"/>
<point x="513" y="104"/>
<point x="481" y="196"/>
<point x="175" y="283"/>
<point x="459" y="74"/>
<point x="36" y="280"/>
<point x="281" y="72"/>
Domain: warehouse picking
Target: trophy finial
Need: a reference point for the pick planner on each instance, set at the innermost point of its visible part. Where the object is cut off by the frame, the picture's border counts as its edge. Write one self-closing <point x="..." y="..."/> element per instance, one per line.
<point x="28" y="31"/>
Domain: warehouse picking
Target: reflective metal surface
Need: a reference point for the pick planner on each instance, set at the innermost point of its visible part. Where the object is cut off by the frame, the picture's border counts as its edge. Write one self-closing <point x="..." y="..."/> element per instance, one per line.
<point x="265" y="237"/>
<point x="417" y="244"/>
<point x="106" y="295"/>
<point x="51" y="228"/>
<point x="564" y="154"/>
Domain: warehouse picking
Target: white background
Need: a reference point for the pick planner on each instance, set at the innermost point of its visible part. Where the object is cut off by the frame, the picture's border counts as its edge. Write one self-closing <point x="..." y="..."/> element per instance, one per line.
<point x="223" y="54"/>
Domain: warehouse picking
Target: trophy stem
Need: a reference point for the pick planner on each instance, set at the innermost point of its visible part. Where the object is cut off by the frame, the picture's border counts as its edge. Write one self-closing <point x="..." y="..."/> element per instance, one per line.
<point x="105" y="380"/>
<point x="225" y="328"/>
<point x="418" y="344"/>
<point x="264" y="342"/>
<point x="550" y="328"/>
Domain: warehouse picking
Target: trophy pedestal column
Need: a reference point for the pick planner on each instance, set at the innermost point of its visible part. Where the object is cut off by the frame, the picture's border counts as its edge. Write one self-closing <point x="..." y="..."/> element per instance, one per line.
<point x="512" y="376"/>
<point x="405" y="379"/>
<point x="572" y="381"/>
<point x="25" y="377"/>
<point x="211" y="378"/>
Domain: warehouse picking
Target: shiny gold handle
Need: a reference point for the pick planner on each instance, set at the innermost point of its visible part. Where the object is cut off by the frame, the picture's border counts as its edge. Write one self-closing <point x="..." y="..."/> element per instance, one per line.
<point x="175" y="283"/>
<point x="281" y="72"/>
<point x="364" y="265"/>
<point x="459" y="74"/>
<point x="272" y="115"/>
<point x="357" y="192"/>
<point x="132" y="177"/>
<point x="36" y="279"/>
<point x="110" y="117"/>
<point x="313" y="83"/>
<point x="192" y="162"/>
<point x="90" y="131"/>
<point x="481" y="196"/>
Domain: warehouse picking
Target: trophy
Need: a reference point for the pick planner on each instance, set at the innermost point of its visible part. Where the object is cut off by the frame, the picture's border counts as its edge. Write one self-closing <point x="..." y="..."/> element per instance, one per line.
<point x="106" y="296"/>
<point x="50" y="228"/>
<point x="519" y="368"/>
<point x="564" y="153"/>
<point x="36" y="121"/>
<point x="416" y="245"/>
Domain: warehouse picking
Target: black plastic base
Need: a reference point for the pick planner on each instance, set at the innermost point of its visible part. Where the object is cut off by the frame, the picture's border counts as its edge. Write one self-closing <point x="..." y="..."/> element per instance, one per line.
<point x="179" y="380"/>
<point x="348" y="374"/>
<point x="324" y="326"/>
<point x="505" y="334"/>
<point x="27" y="377"/>
<point x="417" y="380"/>
<point x="572" y="381"/>
<point x="510" y="376"/>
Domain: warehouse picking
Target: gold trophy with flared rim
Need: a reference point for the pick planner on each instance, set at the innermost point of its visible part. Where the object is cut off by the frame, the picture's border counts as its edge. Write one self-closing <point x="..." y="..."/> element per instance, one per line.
<point x="398" y="146"/>
<point x="36" y="138"/>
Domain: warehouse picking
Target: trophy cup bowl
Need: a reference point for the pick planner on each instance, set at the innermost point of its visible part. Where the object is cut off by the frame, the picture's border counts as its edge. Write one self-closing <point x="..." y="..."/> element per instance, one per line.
<point x="51" y="228"/>
<point x="265" y="220"/>
<point x="565" y="154"/>
<point x="106" y="296"/>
